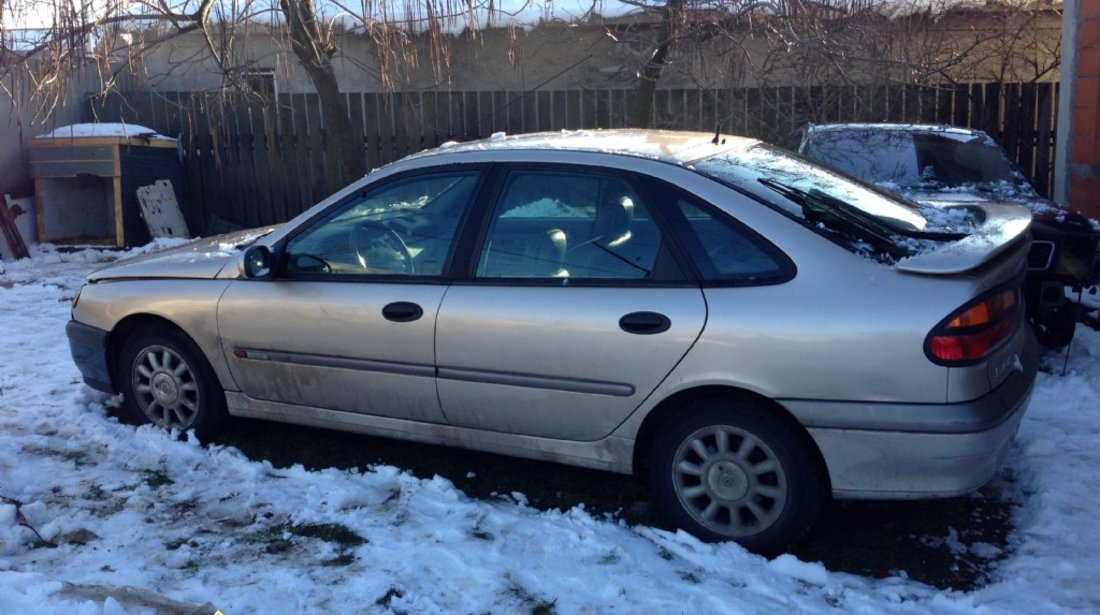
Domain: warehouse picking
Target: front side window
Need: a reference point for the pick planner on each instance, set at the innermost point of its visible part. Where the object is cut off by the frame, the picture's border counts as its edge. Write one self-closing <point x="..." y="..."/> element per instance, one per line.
<point x="405" y="228"/>
<point x="569" y="225"/>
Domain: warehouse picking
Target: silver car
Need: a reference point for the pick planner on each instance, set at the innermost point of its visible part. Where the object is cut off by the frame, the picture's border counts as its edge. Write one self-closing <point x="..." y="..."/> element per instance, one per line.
<point x="752" y="332"/>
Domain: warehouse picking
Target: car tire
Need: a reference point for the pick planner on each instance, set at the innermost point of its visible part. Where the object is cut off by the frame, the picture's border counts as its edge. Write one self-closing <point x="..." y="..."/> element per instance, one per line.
<point x="728" y="469"/>
<point x="166" y="381"/>
<point x="1055" y="329"/>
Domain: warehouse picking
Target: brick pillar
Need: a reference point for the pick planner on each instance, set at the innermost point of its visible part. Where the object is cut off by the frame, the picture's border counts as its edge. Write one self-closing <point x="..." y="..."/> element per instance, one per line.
<point x="1084" y="159"/>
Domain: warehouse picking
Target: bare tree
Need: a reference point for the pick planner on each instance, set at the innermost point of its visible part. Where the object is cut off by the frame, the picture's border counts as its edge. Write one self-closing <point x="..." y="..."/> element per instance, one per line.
<point x="64" y="39"/>
<point x="817" y="43"/>
<point x="812" y="43"/>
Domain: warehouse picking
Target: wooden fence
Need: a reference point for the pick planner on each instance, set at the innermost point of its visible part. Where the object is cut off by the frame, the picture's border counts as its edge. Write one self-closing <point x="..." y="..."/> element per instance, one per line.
<point x="263" y="163"/>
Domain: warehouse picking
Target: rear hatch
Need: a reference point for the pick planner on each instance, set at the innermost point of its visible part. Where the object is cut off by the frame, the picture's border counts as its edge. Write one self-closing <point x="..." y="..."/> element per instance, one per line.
<point x="869" y="221"/>
<point x="984" y="242"/>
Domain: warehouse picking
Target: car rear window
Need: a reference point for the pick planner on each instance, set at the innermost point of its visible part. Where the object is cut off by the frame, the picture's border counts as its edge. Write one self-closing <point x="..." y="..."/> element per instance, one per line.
<point x="916" y="159"/>
<point x="865" y="220"/>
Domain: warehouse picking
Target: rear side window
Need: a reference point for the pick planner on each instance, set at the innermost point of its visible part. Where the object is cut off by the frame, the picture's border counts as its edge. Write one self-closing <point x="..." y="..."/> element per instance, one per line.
<point x="722" y="249"/>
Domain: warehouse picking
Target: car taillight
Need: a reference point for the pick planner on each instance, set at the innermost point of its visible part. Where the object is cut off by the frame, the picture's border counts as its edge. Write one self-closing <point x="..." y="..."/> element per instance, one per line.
<point x="974" y="331"/>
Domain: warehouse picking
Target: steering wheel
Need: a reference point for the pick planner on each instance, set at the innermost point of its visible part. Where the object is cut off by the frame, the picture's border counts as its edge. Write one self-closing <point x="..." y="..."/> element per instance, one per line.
<point x="380" y="250"/>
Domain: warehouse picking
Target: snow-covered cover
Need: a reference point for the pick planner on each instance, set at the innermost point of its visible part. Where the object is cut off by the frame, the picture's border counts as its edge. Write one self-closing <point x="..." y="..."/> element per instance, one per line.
<point x="145" y="523"/>
<point x="105" y="129"/>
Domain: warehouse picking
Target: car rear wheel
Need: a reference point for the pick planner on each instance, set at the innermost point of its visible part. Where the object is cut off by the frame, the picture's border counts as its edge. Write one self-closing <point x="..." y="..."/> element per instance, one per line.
<point x="730" y="470"/>
<point x="167" y="381"/>
<point x="1055" y="329"/>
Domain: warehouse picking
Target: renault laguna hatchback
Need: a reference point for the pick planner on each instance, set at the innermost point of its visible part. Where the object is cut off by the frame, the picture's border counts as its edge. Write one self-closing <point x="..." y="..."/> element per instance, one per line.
<point x="751" y="332"/>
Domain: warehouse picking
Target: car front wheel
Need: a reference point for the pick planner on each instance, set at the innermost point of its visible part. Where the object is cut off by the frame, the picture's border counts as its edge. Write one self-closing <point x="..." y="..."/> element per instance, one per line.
<point x="167" y="381"/>
<point x="730" y="470"/>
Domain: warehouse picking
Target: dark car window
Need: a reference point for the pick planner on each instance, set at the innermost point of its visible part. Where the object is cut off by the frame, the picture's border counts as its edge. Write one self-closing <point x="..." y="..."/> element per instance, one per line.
<point x="865" y="220"/>
<point x="724" y="251"/>
<point x="575" y="225"/>
<point x="919" y="159"/>
<point x="401" y="228"/>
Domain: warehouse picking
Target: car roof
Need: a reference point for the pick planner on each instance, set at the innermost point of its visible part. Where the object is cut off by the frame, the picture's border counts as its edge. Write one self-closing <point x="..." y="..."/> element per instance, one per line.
<point x="894" y="127"/>
<point x="666" y="145"/>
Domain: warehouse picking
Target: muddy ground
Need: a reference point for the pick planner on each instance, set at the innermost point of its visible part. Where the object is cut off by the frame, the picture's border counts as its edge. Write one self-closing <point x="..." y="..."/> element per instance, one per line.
<point x="953" y="543"/>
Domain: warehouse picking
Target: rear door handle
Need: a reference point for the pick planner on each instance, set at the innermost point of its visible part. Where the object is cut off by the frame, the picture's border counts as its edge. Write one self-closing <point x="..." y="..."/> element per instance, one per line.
<point x="402" y="311"/>
<point x="645" y="323"/>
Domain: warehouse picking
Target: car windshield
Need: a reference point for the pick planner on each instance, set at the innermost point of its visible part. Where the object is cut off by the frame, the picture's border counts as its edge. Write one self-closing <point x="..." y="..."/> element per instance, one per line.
<point x="858" y="216"/>
<point x="921" y="160"/>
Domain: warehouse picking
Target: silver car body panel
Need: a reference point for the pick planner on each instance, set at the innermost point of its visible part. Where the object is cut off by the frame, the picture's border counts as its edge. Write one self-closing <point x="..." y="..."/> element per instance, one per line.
<point x="204" y="258"/>
<point x="334" y="349"/>
<point x="187" y="304"/>
<point x="612" y="453"/>
<point x="491" y="338"/>
<point x="1003" y="225"/>
<point x="840" y="345"/>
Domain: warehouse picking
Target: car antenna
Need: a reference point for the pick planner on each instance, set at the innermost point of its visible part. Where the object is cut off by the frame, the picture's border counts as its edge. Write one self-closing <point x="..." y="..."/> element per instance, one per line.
<point x="718" y="134"/>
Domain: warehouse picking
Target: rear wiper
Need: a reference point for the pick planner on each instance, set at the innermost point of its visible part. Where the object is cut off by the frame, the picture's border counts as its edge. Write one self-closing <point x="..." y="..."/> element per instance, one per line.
<point x="840" y="217"/>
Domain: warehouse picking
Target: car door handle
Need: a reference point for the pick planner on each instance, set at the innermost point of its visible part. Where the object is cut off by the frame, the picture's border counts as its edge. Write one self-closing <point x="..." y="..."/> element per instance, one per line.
<point x="402" y="311"/>
<point x="645" y="323"/>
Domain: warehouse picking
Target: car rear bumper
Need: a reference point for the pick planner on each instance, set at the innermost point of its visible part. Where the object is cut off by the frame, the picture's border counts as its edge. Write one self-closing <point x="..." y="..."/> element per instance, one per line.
<point x="89" y="349"/>
<point x="920" y="451"/>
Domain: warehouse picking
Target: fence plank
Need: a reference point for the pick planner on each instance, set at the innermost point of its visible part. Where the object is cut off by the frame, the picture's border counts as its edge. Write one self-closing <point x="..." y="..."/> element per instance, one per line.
<point x="209" y="160"/>
<point x="1026" y="141"/>
<point x="1044" y="138"/>
<point x="248" y="184"/>
<point x="402" y="110"/>
<point x="358" y="135"/>
<point x="372" y="123"/>
<point x="1010" y="127"/>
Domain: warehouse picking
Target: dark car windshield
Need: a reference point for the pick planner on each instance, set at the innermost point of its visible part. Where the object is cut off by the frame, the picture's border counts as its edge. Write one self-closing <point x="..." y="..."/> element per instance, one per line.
<point x="858" y="216"/>
<point x="919" y="159"/>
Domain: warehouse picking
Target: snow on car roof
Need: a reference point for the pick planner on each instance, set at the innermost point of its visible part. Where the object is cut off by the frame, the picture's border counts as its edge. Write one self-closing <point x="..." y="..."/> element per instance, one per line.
<point x="671" y="146"/>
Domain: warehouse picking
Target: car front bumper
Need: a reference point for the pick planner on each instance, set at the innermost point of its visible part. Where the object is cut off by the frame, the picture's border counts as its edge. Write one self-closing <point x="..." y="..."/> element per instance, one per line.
<point x="89" y="349"/>
<point x="896" y="451"/>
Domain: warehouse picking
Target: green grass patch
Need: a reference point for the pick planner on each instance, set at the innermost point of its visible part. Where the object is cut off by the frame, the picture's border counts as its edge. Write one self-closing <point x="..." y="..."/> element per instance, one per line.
<point x="336" y="533"/>
<point x="157" y="478"/>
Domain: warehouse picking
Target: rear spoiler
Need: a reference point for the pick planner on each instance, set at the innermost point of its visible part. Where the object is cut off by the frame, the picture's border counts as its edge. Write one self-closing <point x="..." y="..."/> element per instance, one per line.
<point x="1004" y="226"/>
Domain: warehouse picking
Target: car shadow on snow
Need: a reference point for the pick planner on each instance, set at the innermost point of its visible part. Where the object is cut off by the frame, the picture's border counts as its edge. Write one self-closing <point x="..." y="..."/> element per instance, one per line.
<point x="952" y="543"/>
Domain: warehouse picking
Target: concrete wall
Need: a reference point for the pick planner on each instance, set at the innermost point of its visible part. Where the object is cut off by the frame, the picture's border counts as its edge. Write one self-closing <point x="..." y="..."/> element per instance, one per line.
<point x="607" y="55"/>
<point x="21" y="119"/>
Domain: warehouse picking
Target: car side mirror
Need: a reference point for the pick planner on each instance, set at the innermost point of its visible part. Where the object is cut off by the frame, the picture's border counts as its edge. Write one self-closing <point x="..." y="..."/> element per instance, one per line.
<point x="258" y="263"/>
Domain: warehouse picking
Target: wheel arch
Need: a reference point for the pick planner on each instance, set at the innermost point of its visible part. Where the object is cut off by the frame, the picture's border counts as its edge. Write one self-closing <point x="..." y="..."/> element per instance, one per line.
<point x="681" y="402"/>
<point x="130" y="326"/>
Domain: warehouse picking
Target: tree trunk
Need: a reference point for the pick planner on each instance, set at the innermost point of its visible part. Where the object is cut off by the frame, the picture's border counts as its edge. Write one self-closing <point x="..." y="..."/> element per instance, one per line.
<point x="334" y="112"/>
<point x="641" y="108"/>
<point x="315" y="53"/>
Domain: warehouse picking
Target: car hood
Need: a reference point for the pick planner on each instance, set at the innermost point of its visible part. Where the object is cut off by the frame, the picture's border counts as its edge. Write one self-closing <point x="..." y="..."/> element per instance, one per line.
<point x="1000" y="226"/>
<point x="202" y="258"/>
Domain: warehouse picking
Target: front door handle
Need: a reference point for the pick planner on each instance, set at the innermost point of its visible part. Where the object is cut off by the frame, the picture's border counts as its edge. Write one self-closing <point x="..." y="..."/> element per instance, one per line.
<point x="402" y="311"/>
<point x="645" y="323"/>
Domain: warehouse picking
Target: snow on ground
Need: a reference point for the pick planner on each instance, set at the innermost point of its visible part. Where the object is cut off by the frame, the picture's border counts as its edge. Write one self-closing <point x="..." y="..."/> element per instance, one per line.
<point x="144" y="523"/>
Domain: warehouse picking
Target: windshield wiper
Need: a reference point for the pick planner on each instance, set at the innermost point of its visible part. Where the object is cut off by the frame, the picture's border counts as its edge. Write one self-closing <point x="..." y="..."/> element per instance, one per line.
<point x="840" y="217"/>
